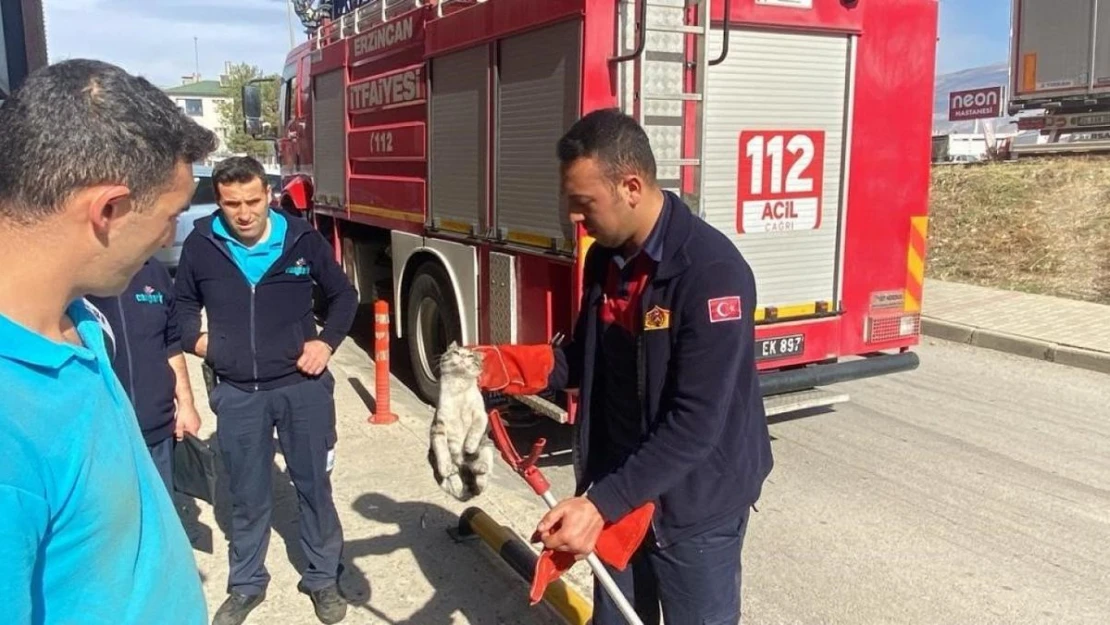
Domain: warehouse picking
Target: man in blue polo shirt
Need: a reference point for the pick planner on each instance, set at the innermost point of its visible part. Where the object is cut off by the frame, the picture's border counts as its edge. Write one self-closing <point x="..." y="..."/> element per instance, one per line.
<point x="96" y="169"/>
<point x="252" y="269"/>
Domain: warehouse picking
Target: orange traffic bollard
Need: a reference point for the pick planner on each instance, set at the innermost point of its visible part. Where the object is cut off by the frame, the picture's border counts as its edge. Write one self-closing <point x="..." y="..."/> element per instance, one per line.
<point x="382" y="415"/>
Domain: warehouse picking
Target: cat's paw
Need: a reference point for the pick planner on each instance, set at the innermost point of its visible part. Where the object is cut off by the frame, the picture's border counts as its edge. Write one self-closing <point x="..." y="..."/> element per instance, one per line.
<point x="481" y="466"/>
<point x="453" y="485"/>
<point x="481" y="481"/>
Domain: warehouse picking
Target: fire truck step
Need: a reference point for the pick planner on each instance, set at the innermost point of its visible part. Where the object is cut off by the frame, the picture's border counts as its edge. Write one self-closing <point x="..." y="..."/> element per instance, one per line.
<point x="801" y="400"/>
<point x="673" y="97"/>
<point x="544" y="407"/>
<point x="673" y="4"/>
<point x="693" y="30"/>
<point x="678" y="162"/>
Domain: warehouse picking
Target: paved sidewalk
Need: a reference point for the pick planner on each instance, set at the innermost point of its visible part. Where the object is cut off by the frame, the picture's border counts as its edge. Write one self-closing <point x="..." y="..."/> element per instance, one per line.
<point x="1064" y="331"/>
<point x="401" y="565"/>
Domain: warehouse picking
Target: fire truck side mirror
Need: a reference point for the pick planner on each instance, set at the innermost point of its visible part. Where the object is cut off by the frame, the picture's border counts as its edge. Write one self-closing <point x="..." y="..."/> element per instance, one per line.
<point x="252" y="110"/>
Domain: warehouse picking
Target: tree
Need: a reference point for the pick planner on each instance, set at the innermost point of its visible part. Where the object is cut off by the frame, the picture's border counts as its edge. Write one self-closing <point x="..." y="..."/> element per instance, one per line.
<point x="231" y="111"/>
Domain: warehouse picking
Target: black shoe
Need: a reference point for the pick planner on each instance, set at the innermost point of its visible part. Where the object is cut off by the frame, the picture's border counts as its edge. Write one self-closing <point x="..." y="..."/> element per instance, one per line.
<point x="330" y="606"/>
<point x="236" y="608"/>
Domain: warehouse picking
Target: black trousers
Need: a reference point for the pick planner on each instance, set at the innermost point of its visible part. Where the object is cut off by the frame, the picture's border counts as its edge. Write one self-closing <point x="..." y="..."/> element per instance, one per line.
<point x="162" y="455"/>
<point x="304" y="416"/>
<point x="695" y="581"/>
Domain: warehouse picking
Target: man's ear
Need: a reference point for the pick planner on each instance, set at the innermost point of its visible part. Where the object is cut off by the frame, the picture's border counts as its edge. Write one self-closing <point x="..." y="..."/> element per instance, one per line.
<point x="633" y="188"/>
<point x="104" y="204"/>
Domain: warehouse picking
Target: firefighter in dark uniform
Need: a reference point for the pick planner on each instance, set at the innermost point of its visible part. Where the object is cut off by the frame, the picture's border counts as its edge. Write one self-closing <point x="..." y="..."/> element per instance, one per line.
<point x="252" y="269"/>
<point x="670" y="410"/>
<point x="145" y="346"/>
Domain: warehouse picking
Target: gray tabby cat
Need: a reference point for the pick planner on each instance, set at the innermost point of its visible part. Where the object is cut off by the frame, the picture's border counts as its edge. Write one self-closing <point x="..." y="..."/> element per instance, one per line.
<point x="461" y="454"/>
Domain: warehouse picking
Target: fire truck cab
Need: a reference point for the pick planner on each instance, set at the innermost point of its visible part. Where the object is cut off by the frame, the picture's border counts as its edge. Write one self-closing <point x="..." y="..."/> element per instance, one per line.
<point x="420" y="136"/>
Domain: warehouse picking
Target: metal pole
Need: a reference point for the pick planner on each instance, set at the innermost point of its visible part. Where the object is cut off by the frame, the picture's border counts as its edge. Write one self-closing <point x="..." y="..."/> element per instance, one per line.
<point x="602" y="575"/>
<point x="561" y="596"/>
<point x="289" y="21"/>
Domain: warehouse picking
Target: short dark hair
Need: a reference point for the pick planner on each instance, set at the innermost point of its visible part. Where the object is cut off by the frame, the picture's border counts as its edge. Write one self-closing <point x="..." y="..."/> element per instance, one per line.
<point x="615" y="139"/>
<point x="240" y="169"/>
<point x="80" y="123"/>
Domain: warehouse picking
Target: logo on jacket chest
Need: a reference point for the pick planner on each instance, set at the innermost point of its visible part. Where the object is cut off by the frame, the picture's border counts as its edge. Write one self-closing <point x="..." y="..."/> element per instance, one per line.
<point x="150" y="295"/>
<point x="299" y="268"/>
<point x="657" y="318"/>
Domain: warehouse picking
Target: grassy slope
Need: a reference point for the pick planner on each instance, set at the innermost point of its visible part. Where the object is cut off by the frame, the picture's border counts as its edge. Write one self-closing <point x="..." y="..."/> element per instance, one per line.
<point x="1037" y="225"/>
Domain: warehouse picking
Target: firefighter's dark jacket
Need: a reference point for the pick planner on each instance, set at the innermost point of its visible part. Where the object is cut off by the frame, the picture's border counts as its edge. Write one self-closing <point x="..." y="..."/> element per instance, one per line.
<point x="705" y="451"/>
<point x="257" y="334"/>
<point x="145" y="336"/>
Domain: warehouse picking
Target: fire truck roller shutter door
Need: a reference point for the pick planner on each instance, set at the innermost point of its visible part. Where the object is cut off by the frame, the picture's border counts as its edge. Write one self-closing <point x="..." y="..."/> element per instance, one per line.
<point x="457" y="140"/>
<point x="431" y="323"/>
<point x="778" y="117"/>
<point x="538" y="97"/>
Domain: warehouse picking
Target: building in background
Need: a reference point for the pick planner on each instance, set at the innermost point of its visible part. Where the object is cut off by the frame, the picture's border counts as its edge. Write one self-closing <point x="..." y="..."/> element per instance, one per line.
<point x="966" y="147"/>
<point x="200" y="100"/>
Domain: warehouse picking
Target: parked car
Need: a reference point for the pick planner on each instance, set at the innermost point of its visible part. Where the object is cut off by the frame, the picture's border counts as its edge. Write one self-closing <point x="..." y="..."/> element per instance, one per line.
<point x="202" y="204"/>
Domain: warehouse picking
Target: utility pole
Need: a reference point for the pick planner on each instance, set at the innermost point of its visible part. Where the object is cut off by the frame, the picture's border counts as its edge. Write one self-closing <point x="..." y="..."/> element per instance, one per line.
<point x="196" y="53"/>
<point x="289" y="21"/>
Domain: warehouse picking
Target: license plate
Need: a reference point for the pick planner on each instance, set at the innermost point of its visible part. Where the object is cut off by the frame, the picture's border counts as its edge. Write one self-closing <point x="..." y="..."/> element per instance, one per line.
<point x="780" y="347"/>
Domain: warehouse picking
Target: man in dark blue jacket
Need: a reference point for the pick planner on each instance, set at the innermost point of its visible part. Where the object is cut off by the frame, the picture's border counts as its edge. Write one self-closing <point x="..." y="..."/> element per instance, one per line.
<point x="670" y="408"/>
<point x="145" y="345"/>
<point x="252" y="270"/>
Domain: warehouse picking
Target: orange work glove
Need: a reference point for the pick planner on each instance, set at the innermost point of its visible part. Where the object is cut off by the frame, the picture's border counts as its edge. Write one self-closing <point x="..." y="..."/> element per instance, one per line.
<point x="515" y="369"/>
<point x="615" y="546"/>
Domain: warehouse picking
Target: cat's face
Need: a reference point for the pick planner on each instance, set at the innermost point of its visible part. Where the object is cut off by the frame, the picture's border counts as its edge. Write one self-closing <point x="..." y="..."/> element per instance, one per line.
<point x="460" y="362"/>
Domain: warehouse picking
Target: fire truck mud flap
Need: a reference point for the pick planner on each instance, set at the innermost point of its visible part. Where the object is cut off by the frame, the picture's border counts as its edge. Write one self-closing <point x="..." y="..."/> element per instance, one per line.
<point x="825" y="374"/>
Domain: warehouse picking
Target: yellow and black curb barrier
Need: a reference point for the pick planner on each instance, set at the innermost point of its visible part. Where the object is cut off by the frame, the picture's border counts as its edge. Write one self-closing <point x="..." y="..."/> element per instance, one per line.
<point x="565" y="600"/>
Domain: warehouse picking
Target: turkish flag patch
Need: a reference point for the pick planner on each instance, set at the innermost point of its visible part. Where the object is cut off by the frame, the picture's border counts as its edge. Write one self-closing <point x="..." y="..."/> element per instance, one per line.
<point x="724" y="309"/>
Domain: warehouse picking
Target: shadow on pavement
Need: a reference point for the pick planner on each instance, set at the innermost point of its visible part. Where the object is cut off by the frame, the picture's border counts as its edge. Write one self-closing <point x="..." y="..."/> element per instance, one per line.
<point x="283" y="518"/>
<point x="400" y="365"/>
<point x="800" y="414"/>
<point x="364" y="394"/>
<point x="462" y="590"/>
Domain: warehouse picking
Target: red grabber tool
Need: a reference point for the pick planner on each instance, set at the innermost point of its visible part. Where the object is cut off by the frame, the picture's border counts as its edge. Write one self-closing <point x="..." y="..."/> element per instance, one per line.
<point x="621" y="541"/>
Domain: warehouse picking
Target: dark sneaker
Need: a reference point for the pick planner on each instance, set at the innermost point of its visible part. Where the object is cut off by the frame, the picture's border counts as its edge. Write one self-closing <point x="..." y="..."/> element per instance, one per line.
<point x="236" y="608"/>
<point x="330" y="606"/>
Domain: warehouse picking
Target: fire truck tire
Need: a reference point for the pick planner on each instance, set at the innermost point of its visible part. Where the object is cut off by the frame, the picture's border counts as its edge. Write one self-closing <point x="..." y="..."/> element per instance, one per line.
<point x="431" y="323"/>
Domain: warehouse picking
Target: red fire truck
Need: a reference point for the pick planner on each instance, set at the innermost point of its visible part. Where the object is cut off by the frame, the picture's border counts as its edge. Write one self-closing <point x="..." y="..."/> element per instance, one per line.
<point x="420" y="137"/>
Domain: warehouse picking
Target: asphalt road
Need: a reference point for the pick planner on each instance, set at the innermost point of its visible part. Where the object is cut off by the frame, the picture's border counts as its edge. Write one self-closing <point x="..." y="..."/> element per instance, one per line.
<point x="975" y="489"/>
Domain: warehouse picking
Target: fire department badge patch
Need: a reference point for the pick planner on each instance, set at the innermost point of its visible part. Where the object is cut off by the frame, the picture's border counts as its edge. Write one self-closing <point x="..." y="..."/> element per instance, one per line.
<point x="657" y="319"/>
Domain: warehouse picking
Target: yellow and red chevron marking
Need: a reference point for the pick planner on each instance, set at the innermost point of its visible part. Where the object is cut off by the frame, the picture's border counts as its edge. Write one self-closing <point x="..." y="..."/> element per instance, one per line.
<point x="915" y="263"/>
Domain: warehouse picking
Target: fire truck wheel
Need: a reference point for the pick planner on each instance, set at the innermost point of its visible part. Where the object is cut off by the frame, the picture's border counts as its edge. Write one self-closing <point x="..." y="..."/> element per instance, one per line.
<point x="431" y="323"/>
<point x="349" y="254"/>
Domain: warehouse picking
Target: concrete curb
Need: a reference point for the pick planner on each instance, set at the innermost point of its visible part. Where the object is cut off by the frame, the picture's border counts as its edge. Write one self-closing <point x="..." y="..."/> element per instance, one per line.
<point x="1067" y="355"/>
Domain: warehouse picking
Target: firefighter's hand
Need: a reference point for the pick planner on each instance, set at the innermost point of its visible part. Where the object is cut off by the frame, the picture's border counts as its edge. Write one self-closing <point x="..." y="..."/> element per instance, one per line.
<point x="314" y="358"/>
<point x="202" y="346"/>
<point x="573" y="525"/>
<point x="188" y="420"/>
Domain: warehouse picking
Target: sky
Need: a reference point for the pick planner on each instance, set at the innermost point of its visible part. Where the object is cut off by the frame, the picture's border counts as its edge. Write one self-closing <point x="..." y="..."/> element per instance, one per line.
<point x="154" y="38"/>
<point x="972" y="33"/>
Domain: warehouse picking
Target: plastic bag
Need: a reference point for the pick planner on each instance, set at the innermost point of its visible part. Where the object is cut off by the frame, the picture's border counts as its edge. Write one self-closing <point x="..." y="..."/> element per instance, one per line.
<point x="194" y="469"/>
